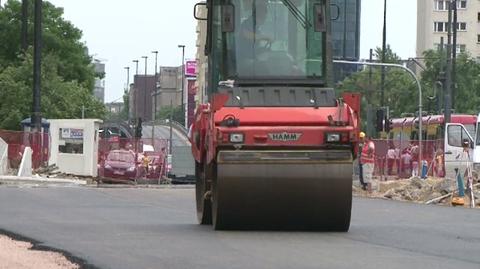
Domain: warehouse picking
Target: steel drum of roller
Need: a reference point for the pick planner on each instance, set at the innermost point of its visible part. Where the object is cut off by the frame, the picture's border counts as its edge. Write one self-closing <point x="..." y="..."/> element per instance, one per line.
<point x="286" y="190"/>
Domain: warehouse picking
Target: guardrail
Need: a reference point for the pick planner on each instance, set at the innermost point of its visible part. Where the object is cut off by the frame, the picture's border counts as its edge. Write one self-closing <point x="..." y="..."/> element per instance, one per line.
<point x="175" y="125"/>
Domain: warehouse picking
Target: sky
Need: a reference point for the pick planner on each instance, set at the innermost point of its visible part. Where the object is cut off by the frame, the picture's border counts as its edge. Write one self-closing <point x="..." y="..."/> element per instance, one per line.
<point x="119" y="31"/>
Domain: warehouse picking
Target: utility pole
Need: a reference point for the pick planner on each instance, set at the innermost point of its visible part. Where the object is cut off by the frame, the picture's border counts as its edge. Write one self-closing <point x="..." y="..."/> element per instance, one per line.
<point x="171" y="128"/>
<point x="384" y="48"/>
<point x="183" y="82"/>
<point x="83" y="112"/>
<point x="454" y="52"/>
<point x="448" y="72"/>
<point x="24" y="30"/>
<point x="155" y="96"/>
<point x="145" y="90"/>
<point x="36" y="118"/>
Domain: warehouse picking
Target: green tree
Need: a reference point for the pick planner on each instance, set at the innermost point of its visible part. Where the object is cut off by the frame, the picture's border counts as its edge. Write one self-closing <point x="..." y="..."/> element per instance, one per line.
<point x="400" y="89"/>
<point x="60" y="37"/>
<point x="67" y="71"/>
<point x="60" y="98"/>
<point x="467" y="92"/>
<point x="165" y="112"/>
<point x="126" y="106"/>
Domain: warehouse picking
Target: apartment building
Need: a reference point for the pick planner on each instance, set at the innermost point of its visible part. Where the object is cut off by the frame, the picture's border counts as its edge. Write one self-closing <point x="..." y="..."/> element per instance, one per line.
<point x="432" y="24"/>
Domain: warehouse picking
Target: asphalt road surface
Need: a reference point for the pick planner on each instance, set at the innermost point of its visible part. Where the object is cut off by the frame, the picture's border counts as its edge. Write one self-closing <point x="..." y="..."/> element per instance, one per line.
<point x="156" y="228"/>
<point x="163" y="132"/>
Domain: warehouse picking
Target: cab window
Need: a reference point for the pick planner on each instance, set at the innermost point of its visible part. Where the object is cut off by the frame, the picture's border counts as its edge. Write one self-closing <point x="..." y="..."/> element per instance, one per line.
<point x="456" y="134"/>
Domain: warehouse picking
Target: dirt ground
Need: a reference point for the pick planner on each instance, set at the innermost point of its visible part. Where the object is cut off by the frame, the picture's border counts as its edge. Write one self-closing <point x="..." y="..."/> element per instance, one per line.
<point x="417" y="190"/>
<point x="19" y="255"/>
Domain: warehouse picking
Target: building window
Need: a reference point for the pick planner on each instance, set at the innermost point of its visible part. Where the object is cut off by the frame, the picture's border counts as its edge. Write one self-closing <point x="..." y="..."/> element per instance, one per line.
<point x="442" y="5"/>
<point x="442" y="27"/>
<point x="439" y="27"/>
<point x="478" y="38"/>
<point x="439" y="5"/>
<point x="478" y="15"/>
<point x="461" y="48"/>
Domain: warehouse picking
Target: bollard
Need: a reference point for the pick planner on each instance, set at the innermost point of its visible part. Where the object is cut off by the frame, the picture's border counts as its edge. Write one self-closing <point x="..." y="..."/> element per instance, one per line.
<point x="461" y="185"/>
<point x="424" y="169"/>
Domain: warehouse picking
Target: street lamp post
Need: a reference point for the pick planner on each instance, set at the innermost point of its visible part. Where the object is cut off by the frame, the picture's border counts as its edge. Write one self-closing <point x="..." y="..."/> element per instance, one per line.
<point x="384" y="48"/>
<point x="135" y="93"/>
<point x="145" y="90"/>
<point x="420" y="101"/>
<point x="183" y="81"/>
<point x="127" y="91"/>
<point x="154" y="117"/>
<point x="136" y="68"/>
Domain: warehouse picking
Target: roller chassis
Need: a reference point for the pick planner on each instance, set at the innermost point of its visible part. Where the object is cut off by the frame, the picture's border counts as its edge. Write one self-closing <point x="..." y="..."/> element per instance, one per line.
<point x="273" y="148"/>
<point x="248" y="193"/>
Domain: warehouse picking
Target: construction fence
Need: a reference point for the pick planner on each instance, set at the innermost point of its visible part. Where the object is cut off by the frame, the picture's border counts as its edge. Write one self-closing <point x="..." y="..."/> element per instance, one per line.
<point x="132" y="159"/>
<point x="400" y="159"/>
<point x="18" y="141"/>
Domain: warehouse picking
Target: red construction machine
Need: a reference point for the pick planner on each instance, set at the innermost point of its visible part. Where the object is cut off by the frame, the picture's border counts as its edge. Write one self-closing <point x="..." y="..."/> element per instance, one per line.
<point x="273" y="145"/>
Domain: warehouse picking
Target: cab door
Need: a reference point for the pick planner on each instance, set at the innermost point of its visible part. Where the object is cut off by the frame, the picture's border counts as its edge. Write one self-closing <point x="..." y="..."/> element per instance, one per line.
<point x="476" y="146"/>
<point x="454" y="154"/>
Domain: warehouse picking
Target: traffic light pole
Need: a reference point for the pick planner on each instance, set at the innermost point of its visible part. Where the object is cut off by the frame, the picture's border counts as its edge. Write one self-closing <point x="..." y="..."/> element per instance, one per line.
<point x="419" y="85"/>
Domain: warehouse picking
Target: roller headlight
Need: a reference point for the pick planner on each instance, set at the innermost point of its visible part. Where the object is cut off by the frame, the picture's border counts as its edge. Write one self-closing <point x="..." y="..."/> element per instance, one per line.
<point x="333" y="138"/>
<point x="237" y="138"/>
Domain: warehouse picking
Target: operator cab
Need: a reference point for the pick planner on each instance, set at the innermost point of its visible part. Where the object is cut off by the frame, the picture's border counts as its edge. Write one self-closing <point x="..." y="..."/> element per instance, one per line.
<point x="271" y="50"/>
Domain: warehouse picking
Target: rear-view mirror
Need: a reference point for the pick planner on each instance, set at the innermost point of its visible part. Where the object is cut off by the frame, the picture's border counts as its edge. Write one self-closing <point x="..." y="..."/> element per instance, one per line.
<point x="198" y="10"/>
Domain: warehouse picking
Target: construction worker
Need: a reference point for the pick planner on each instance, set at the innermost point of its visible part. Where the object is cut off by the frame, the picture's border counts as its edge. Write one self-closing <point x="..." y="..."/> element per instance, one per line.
<point x="145" y="163"/>
<point x="367" y="161"/>
<point x="415" y="162"/>
<point x="391" y="158"/>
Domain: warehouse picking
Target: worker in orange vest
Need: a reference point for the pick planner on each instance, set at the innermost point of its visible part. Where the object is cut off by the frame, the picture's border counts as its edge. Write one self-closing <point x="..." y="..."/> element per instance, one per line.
<point x="367" y="161"/>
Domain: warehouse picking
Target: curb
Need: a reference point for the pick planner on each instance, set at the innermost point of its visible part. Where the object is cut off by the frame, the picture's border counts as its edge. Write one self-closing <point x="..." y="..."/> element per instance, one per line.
<point x="13" y="180"/>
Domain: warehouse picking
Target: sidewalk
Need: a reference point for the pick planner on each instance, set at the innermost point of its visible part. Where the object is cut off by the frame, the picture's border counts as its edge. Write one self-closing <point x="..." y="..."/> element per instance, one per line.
<point x="40" y="181"/>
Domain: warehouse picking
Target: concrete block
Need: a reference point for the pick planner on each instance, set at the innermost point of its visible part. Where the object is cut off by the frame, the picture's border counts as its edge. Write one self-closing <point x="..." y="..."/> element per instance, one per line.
<point x="3" y="157"/>
<point x="25" y="169"/>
